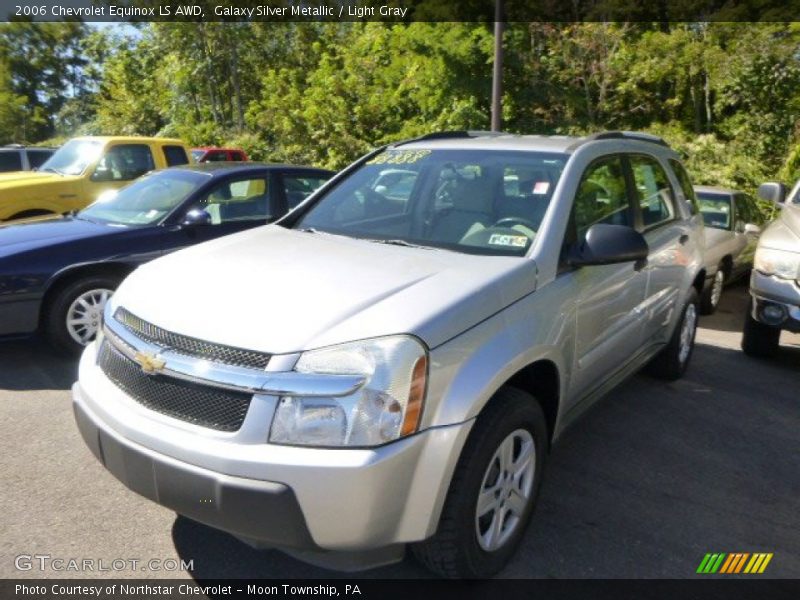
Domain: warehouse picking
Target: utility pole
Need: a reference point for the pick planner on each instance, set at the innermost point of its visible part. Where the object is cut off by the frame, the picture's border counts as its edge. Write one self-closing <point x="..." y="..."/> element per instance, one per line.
<point x="497" y="73"/>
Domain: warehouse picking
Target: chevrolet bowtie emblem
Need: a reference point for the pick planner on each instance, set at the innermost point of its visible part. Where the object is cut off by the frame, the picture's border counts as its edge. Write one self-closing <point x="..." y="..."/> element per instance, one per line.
<point x="149" y="362"/>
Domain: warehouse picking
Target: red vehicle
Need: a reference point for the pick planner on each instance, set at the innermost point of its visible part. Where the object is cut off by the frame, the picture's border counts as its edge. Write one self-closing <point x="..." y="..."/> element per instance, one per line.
<point x="214" y="154"/>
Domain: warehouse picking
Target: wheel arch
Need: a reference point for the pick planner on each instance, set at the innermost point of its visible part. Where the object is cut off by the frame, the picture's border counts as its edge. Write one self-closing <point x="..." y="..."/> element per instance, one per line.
<point x="699" y="281"/>
<point x="727" y="265"/>
<point x="74" y="273"/>
<point x="540" y="379"/>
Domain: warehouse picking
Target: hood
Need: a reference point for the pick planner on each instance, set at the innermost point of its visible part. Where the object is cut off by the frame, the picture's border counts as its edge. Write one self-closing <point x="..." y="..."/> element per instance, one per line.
<point x="279" y="291"/>
<point x="25" y="178"/>
<point x="784" y="232"/>
<point x="23" y="236"/>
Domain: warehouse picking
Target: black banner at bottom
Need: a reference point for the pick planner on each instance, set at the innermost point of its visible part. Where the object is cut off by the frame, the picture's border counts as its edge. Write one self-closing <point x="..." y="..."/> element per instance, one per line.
<point x="368" y="589"/>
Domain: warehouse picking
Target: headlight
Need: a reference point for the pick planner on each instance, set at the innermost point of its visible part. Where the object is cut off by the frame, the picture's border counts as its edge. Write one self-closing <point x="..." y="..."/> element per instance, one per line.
<point x="387" y="407"/>
<point x="780" y="263"/>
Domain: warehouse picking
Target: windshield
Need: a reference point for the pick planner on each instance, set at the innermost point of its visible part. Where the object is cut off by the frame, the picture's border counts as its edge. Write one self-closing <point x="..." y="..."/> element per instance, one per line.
<point x="73" y="157"/>
<point x="475" y="201"/>
<point x="716" y="209"/>
<point x="198" y="154"/>
<point x="147" y="200"/>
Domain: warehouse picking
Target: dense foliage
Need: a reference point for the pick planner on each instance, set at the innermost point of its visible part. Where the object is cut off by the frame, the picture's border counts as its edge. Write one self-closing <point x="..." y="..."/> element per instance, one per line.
<point x="727" y="95"/>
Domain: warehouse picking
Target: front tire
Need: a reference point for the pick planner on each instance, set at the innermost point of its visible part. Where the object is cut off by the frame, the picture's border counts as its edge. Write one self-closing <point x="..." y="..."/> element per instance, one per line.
<point x="759" y="340"/>
<point x="74" y="315"/>
<point x="493" y="491"/>
<point x="671" y="363"/>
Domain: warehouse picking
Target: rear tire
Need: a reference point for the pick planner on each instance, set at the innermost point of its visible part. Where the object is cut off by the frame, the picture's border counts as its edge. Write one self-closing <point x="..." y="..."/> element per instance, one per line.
<point x="759" y="340"/>
<point x="709" y="301"/>
<point x="73" y="316"/>
<point x="501" y="466"/>
<point x="671" y="363"/>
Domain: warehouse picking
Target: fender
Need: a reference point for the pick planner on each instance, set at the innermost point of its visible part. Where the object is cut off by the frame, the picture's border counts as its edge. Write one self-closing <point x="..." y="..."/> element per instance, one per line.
<point x="497" y="349"/>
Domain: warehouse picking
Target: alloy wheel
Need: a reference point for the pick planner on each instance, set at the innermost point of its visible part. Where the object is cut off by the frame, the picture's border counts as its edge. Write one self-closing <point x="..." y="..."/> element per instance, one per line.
<point x="687" y="332"/>
<point x="85" y="315"/>
<point x="506" y="490"/>
<point x="716" y="287"/>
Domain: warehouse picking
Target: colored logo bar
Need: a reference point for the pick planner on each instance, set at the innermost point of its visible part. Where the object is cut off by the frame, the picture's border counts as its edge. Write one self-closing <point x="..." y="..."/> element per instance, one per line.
<point x="734" y="562"/>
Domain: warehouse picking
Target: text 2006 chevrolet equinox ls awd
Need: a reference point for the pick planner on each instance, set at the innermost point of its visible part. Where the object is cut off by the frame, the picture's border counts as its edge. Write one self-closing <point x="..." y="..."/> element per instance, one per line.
<point x="389" y="364"/>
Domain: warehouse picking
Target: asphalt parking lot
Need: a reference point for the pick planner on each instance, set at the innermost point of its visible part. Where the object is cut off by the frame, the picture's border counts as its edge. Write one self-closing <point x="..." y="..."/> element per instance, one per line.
<point x="644" y="485"/>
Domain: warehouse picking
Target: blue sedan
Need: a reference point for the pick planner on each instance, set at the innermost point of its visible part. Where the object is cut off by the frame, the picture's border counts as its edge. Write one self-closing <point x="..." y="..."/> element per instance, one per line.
<point x="57" y="274"/>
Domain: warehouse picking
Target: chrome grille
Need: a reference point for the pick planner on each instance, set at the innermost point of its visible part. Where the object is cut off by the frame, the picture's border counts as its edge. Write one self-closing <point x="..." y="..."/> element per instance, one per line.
<point x="189" y="346"/>
<point x="218" y="409"/>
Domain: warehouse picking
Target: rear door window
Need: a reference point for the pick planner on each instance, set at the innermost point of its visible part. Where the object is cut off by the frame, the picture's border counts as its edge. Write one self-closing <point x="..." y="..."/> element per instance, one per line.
<point x="216" y="156"/>
<point x="36" y="158"/>
<point x="124" y="162"/>
<point x="654" y="192"/>
<point x="686" y="184"/>
<point x="175" y="155"/>
<point x="10" y="160"/>
<point x="743" y="213"/>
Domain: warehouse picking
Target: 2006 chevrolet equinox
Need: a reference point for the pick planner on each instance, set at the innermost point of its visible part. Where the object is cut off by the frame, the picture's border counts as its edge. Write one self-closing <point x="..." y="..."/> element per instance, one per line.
<point x="389" y="364"/>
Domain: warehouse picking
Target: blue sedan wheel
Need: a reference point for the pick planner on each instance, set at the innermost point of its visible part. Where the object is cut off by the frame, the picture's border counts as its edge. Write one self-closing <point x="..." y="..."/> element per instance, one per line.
<point x="85" y="315"/>
<point x="73" y="313"/>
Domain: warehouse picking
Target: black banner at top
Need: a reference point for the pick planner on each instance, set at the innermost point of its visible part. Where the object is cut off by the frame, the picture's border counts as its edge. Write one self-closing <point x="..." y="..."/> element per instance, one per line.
<point x="400" y="10"/>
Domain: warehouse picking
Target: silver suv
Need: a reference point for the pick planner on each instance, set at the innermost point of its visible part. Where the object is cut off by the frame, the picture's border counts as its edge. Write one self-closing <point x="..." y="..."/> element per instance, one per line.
<point x="390" y="363"/>
<point x="775" y="280"/>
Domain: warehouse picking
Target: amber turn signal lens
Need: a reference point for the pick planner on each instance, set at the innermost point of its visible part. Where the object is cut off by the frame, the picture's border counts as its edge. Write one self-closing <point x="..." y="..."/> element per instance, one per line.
<point x="416" y="397"/>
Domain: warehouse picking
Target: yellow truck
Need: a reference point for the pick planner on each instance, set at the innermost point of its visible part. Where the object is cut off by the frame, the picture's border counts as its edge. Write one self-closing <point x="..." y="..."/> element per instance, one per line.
<point x="81" y="170"/>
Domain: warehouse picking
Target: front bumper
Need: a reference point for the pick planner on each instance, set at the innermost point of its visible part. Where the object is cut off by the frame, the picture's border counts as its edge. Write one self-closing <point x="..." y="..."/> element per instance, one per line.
<point x="783" y="294"/>
<point x="280" y="496"/>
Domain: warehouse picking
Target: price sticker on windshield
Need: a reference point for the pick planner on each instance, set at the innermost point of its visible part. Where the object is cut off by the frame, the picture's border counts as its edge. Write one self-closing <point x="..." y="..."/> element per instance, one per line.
<point x="398" y="157"/>
<point x="514" y="241"/>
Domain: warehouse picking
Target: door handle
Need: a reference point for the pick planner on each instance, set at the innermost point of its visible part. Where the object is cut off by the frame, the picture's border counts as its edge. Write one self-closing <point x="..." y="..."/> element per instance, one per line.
<point x="683" y="239"/>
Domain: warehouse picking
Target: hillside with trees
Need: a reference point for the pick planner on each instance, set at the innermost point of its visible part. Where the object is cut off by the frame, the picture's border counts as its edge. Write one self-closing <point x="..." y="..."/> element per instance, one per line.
<point x="727" y="95"/>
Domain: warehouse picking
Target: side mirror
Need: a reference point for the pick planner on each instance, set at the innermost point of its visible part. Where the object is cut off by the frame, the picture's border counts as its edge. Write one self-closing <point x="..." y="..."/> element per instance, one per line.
<point x="609" y="244"/>
<point x="751" y="229"/>
<point x="772" y="191"/>
<point x="196" y="217"/>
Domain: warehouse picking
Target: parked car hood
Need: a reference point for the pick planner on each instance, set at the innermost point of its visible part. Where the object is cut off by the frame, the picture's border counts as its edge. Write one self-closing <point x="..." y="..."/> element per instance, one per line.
<point x="30" y="178"/>
<point x="30" y="235"/>
<point x="784" y="232"/>
<point x="278" y="290"/>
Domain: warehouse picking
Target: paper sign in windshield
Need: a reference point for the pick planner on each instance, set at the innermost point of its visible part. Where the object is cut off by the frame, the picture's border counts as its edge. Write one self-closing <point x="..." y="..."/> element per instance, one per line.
<point x="503" y="239"/>
<point x="398" y="157"/>
<point x="540" y="187"/>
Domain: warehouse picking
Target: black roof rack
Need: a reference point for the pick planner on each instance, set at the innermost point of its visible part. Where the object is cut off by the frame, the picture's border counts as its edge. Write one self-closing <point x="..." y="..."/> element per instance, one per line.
<point x="450" y="135"/>
<point x="627" y="135"/>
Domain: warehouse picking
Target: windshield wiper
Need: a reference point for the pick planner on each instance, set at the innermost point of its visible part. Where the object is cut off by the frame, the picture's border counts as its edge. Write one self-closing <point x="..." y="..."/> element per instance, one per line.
<point x="398" y="242"/>
<point x="78" y="214"/>
<point x="52" y="170"/>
